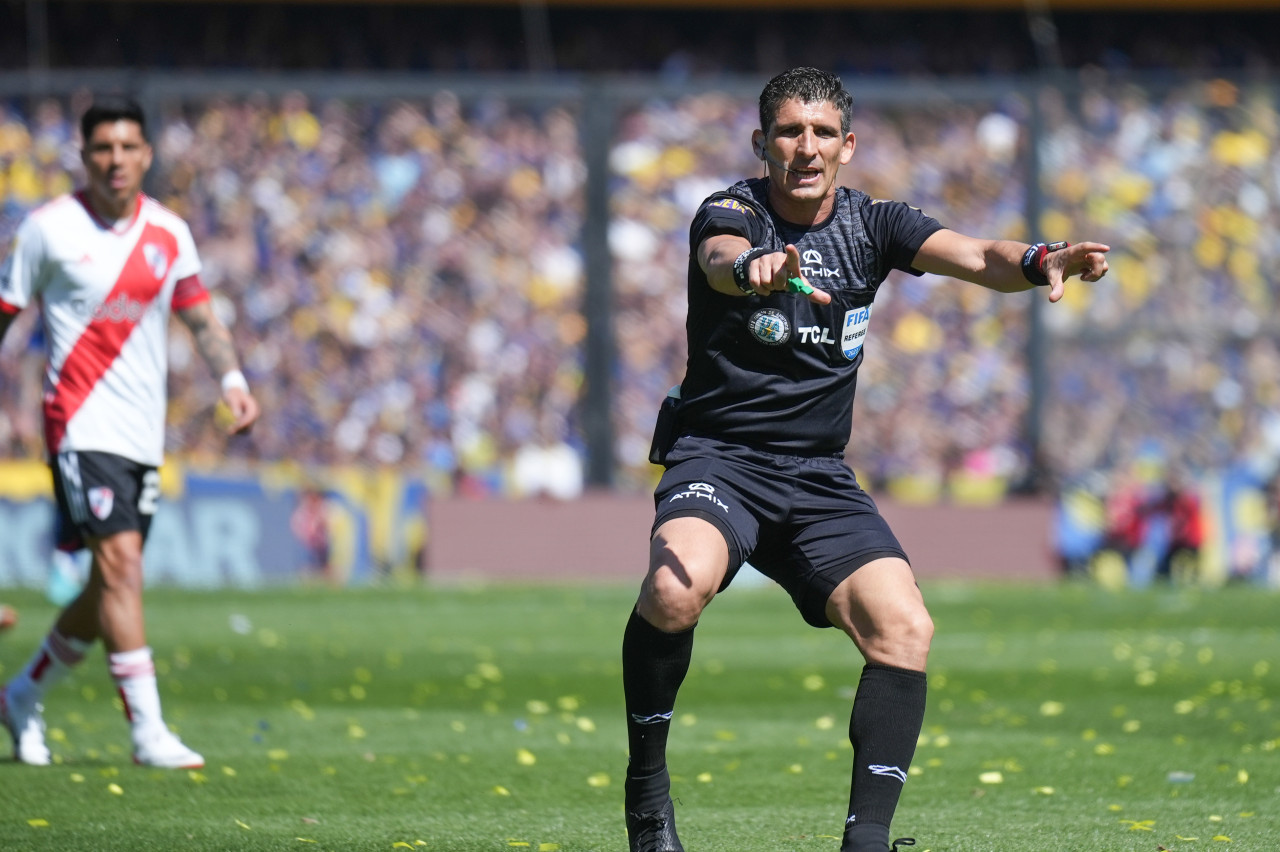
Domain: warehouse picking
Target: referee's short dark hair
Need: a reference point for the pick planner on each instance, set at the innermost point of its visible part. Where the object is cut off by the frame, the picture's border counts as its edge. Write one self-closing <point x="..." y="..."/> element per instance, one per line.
<point x="111" y="108"/>
<point x="809" y="85"/>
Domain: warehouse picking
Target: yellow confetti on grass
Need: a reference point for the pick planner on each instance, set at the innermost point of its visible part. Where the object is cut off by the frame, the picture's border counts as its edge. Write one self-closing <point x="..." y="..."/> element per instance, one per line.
<point x="278" y="754"/>
<point x="524" y="757"/>
<point x="229" y="772"/>
<point x="115" y="789"/>
<point x="548" y="847"/>
<point x="1045" y="791"/>
<point x="77" y="778"/>
<point x="991" y="778"/>
<point x="1052" y="708"/>
<point x="519" y="843"/>
<point x="1139" y="824"/>
<point x="37" y="822"/>
<point x="598" y="779"/>
<point x="243" y="825"/>
<point x="1221" y="838"/>
<point x="305" y="840"/>
<point x="501" y="791"/>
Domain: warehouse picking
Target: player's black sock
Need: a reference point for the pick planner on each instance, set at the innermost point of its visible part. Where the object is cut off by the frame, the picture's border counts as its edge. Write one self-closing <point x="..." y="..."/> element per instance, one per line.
<point x="868" y="837"/>
<point x="888" y="712"/>
<point x="654" y="664"/>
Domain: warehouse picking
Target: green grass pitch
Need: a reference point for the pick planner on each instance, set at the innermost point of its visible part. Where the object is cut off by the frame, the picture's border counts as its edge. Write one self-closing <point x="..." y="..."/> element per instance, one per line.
<point x="488" y="719"/>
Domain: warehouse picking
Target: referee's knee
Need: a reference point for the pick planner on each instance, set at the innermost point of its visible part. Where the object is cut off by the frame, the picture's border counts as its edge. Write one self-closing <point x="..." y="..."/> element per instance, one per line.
<point x="673" y="603"/>
<point x="902" y="642"/>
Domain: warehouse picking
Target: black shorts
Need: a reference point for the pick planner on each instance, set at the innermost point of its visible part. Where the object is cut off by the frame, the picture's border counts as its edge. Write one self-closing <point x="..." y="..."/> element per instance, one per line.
<point x="100" y="494"/>
<point x="801" y="521"/>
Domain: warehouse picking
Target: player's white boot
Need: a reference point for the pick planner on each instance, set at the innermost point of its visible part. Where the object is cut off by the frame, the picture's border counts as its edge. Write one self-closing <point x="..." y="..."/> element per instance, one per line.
<point x="25" y="721"/>
<point x="162" y="748"/>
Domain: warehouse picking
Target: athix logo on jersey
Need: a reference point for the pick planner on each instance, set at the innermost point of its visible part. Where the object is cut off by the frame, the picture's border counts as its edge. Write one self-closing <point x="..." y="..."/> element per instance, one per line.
<point x="101" y="500"/>
<point x="888" y="772"/>
<point x="855" y="331"/>
<point x="701" y="491"/>
<point x="770" y="327"/>
<point x="813" y="267"/>
<point x="157" y="259"/>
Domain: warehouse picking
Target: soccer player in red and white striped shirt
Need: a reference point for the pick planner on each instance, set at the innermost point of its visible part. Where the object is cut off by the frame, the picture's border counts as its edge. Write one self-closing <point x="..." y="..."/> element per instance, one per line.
<point x="108" y="265"/>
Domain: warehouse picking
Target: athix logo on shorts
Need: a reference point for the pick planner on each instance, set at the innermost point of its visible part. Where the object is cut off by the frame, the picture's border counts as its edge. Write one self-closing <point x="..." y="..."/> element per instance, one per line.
<point x="701" y="491"/>
<point x="770" y="327"/>
<point x="813" y="267"/>
<point x="100" y="502"/>
<point x="855" y="331"/>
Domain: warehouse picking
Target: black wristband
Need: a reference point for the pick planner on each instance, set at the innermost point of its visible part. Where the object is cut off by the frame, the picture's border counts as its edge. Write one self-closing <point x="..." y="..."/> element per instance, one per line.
<point x="740" y="268"/>
<point x="1033" y="261"/>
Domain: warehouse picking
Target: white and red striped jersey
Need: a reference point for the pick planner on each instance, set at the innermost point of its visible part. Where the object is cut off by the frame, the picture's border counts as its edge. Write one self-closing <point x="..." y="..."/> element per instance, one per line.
<point x="106" y="291"/>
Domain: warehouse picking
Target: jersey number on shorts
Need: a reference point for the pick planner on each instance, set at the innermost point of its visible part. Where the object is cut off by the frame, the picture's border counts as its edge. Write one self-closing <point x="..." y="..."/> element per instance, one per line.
<point x="149" y="498"/>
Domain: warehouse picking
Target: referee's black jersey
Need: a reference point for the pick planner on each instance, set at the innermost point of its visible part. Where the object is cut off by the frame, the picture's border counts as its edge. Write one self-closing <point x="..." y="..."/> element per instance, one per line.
<point x="779" y="372"/>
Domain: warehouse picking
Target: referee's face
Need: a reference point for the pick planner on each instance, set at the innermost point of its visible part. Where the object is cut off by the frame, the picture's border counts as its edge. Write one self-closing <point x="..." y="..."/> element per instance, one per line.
<point x="804" y="149"/>
<point x="116" y="158"/>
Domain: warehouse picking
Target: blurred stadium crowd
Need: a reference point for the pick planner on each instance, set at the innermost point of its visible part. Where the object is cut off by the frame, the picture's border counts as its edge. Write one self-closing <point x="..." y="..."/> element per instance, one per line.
<point x="405" y="276"/>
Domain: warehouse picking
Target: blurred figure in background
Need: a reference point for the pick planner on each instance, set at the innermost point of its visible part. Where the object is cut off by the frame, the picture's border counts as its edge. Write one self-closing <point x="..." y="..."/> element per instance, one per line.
<point x="1179" y="502"/>
<point x="310" y="526"/>
<point x="108" y="265"/>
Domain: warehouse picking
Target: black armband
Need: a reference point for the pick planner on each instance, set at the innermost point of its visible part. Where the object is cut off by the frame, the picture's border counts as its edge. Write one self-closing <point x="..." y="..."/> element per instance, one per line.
<point x="1033" y="261"/>
<point x="740" y="268"/>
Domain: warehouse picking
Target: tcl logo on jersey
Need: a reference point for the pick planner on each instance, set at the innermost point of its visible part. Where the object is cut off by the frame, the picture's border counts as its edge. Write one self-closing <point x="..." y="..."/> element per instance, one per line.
<point x="119" y="309"/>
<point x="813" y="267"/>
<point x="814" y="334"/>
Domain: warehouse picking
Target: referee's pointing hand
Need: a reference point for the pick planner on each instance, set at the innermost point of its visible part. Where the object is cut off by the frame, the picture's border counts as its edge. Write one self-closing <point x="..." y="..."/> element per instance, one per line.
<point x="1088" y="260"/>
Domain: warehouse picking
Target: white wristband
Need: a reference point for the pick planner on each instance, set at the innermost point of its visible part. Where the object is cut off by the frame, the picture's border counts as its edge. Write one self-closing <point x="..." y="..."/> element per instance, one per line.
<point x="234" y="380"/>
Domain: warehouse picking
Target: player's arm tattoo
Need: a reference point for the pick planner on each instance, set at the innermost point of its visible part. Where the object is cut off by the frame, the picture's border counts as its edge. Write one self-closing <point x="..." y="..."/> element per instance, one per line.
<point x="213" y="340"/>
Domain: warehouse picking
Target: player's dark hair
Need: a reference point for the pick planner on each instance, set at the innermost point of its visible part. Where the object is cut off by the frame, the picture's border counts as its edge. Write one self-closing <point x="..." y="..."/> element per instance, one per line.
<point x="809" y="85"/>
<point x="111" y="108"/>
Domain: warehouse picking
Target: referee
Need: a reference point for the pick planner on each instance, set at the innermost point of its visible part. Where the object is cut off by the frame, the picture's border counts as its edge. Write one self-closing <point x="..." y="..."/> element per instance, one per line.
<point x="783" y="271"/>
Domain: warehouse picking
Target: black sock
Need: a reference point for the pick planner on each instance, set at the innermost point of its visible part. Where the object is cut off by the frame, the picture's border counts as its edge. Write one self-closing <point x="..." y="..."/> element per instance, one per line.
<point x="654" y="664"/>
<point x="888" y="712"/>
